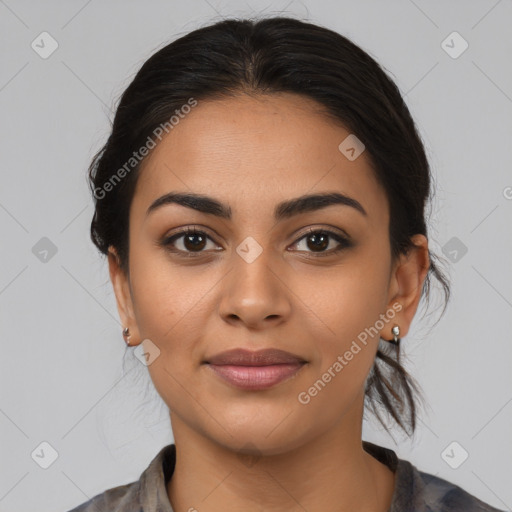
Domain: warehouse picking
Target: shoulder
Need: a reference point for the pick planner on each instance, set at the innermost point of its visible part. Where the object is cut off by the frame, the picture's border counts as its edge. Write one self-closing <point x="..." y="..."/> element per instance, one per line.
<point x="123" y="498"/>
<point x="439" y="495"/>
<point x="142" y="495"/>
<point x="423" y="492"/>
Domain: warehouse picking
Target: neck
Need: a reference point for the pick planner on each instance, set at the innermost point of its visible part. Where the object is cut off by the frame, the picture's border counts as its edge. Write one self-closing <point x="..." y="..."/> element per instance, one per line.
<point x="330" y="472"/>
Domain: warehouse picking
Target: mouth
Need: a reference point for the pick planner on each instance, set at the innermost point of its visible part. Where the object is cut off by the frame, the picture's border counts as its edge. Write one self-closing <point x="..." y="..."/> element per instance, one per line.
<point x="251" y="370"/>
<point x="256" y="377"/>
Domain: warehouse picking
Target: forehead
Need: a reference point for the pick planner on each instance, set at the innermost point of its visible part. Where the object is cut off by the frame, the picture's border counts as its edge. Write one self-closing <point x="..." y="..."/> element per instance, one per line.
<point x="256" y="151"/>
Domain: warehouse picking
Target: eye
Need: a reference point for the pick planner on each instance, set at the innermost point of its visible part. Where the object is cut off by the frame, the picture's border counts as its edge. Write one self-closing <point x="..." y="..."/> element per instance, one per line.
<point x="320" y="239"/>
<point x="191" y="242"/>
<point x="187" y="242"/>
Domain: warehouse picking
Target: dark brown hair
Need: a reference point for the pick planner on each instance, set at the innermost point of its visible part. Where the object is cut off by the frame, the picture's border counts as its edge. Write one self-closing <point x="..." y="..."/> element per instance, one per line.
<point x="265" y="56"/>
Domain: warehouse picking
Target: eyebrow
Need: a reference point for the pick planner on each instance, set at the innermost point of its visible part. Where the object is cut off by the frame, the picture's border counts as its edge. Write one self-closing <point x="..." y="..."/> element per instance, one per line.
<point x="283" y="210"/>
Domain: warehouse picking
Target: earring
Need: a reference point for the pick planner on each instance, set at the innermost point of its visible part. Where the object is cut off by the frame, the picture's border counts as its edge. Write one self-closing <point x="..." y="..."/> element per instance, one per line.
<point x="396" y="333"/>
<point x="126" y="335"/>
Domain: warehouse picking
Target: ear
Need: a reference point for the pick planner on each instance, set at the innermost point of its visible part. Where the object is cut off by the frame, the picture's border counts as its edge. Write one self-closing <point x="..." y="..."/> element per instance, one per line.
<point x="122" y="290"/>
<point x="406" y="284"/>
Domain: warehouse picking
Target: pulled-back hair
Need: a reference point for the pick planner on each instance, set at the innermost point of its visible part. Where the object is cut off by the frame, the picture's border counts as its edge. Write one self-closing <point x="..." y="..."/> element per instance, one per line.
<point x="266" y="56"/>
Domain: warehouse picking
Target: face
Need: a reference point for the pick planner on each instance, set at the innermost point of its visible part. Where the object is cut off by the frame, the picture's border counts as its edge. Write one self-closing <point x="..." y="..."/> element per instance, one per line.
<point x="317" y="282"/>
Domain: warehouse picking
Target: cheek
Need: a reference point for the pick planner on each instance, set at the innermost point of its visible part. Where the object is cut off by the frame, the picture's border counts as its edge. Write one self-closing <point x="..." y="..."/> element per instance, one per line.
<point x="344" y="301"/>
<point x="346" y="304"/>
<point x="171" y="307"/>
<point x="345" y="341"/>
<point x="166" y="295"/>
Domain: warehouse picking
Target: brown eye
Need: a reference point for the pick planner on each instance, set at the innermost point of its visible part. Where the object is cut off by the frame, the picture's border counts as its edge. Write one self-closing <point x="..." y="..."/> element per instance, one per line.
<point x="188" y="241"/>
<point x="194" y="241"/>
<point x="317" y="241"/>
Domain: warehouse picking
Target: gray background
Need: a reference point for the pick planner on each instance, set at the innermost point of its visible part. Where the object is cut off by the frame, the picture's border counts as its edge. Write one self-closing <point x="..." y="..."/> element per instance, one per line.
<point x="61" y="373"/>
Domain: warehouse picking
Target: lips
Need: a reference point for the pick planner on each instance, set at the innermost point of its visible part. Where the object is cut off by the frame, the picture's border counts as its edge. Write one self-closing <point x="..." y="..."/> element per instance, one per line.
<point x="255" y="370"/>
<point x="265" y="357"/>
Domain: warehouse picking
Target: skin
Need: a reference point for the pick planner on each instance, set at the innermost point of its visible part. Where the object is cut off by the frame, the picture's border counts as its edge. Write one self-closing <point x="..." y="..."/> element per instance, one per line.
<point x="252" y="153"/>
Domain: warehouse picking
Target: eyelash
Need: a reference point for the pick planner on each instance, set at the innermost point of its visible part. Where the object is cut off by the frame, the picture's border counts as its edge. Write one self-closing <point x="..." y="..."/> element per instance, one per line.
<point x="344" y="242"/>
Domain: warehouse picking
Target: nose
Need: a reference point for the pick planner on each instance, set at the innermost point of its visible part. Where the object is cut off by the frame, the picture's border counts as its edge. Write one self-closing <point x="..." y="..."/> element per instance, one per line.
<point x="254" y="293"/>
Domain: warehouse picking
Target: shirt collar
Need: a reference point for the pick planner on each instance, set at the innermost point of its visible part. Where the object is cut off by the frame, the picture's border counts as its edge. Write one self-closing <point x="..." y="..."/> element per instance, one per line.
<point x="153" y="481"/>
<point x="408" y="493"/>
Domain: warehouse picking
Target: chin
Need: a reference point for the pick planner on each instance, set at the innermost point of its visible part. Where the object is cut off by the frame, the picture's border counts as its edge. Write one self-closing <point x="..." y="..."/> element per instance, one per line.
<point x="257" y="440"/>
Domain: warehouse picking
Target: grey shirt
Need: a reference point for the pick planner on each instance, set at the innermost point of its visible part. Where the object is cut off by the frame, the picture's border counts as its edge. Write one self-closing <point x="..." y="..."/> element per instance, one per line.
<point x="415" y="491"/>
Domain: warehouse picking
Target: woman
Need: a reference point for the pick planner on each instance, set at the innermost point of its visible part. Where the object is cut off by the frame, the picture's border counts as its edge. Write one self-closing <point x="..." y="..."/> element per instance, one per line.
<point x="261" y="200"/>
